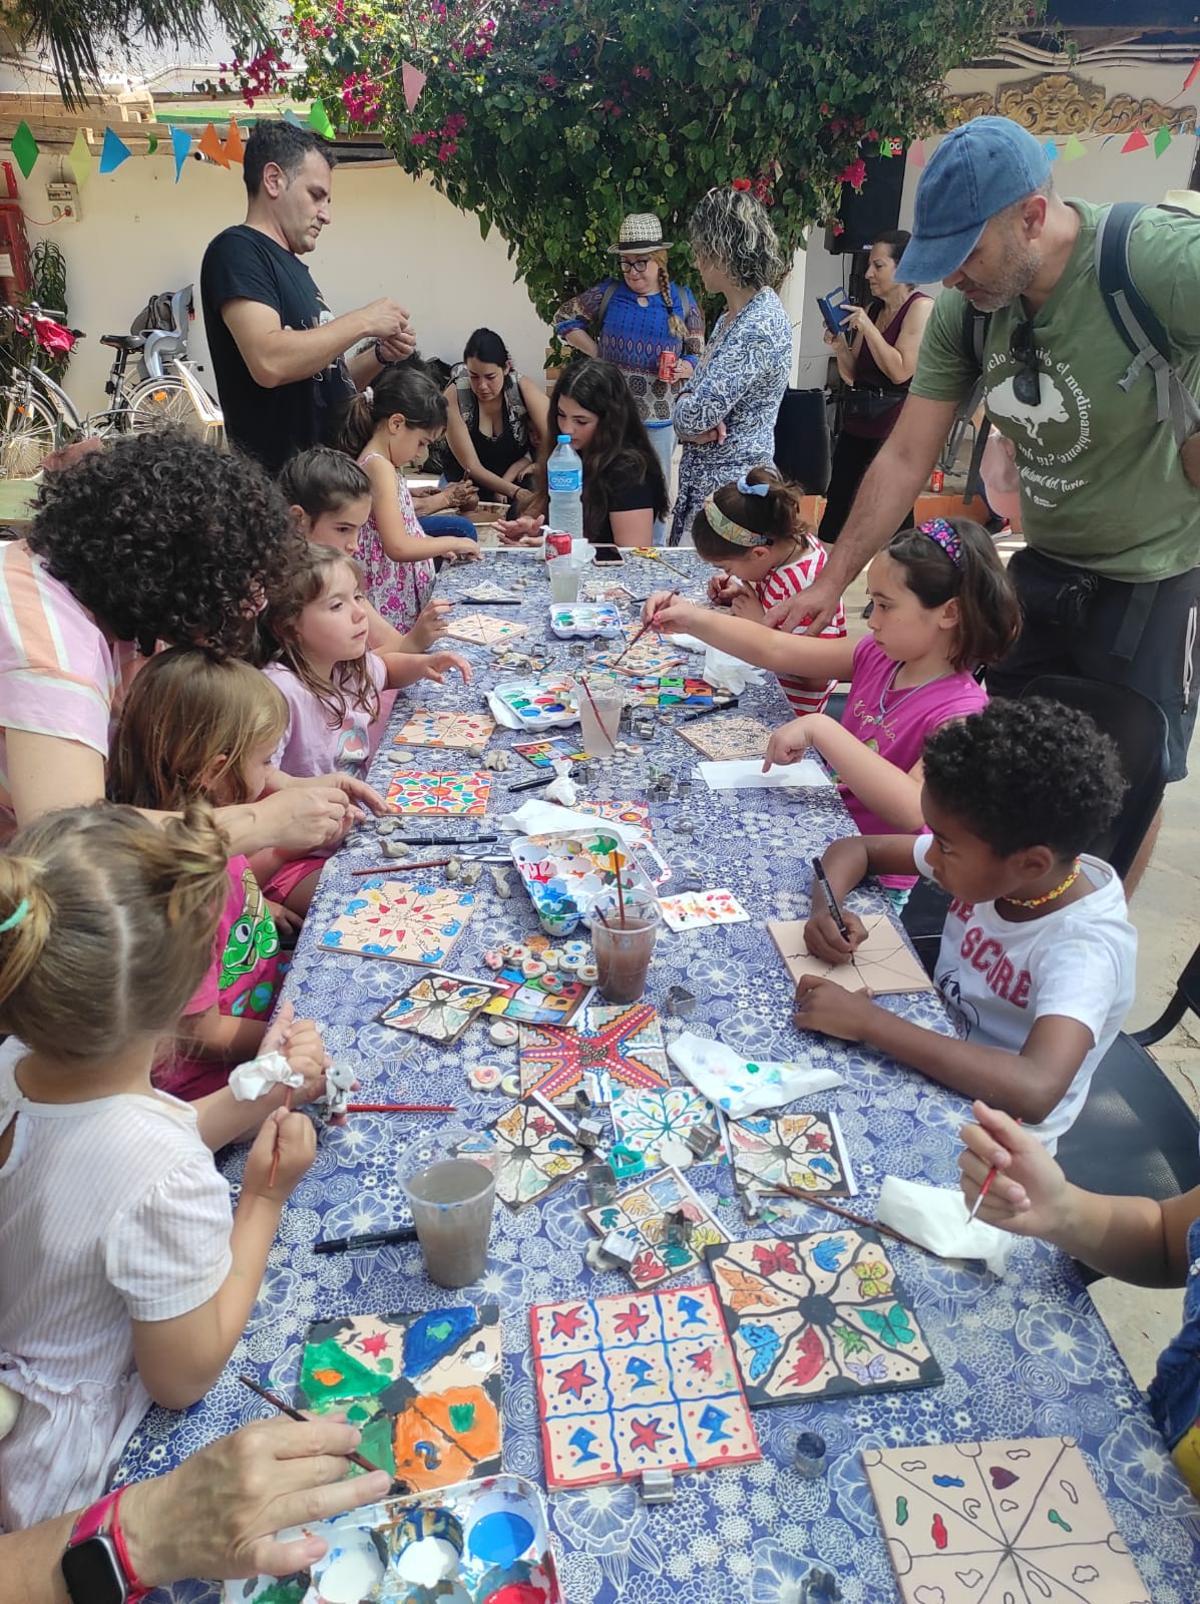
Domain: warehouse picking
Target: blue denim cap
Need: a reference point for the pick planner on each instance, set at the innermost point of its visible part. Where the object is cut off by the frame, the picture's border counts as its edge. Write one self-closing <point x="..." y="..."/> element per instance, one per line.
<point x="978" y="169"/>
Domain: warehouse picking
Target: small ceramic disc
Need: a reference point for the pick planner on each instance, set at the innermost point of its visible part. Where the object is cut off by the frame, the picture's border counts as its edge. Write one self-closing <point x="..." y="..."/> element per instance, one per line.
<point x="511" y="1086"/>
<point x="504" y="1033"/>
<point x="485" y="1077"/>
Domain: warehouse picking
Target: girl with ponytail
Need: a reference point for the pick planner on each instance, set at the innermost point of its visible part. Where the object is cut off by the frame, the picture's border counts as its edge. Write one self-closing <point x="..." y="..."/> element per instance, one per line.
<point x="388" y="426"/>
<point x="127" y="1280"/>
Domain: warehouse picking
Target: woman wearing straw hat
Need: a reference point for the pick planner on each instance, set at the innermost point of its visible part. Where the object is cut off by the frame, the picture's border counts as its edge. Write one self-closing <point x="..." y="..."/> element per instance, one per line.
<point x="645" y="325"/>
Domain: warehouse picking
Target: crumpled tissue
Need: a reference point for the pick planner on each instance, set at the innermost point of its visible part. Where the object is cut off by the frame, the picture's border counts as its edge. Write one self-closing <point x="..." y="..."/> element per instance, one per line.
<point x="249" y="1082"/>
<point x="728" y="673"/>
<point x="738" y="1086"/>
<point x="936" y="1217"/>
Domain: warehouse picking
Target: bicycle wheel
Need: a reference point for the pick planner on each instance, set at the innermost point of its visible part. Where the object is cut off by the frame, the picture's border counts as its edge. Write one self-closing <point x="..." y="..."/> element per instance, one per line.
<point x="28" y="438"/>
<point x="161" y="404"/>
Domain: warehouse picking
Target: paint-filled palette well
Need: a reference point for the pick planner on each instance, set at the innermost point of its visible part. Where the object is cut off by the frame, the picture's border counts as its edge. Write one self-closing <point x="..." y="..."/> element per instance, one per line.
<point x="481" y="1542"/>
<point x="538" y="704"/>
<point x="585" y="620"/>
<point x="566" y="876"/>
<point x="994" y="1522"/>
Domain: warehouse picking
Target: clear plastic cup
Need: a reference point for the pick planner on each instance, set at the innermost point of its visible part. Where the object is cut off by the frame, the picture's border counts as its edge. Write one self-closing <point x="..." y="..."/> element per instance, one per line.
<point x="564" y="579"/>
<point x="623" y="948"/>
<point x="452" y="1203"/>
<point x="600" y="701"/>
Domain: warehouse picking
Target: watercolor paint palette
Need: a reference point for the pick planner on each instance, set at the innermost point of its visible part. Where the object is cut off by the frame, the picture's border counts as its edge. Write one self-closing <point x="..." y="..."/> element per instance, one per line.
<point x="640" y="1213"/>
<point x="543" y="754"/>
<point x="528" y="1000"/>
<point x="637" y="1382"/>
<point x="480" y="1542"/>
<point x="566" y="876"/>
<point x="411" y="923"/>
<point x="676" y="690"/>
<point x="538" y="704"/>
<point x="424" y="1389"/>
<point x="585" y="621"/>
<point x="994" y="1522"/>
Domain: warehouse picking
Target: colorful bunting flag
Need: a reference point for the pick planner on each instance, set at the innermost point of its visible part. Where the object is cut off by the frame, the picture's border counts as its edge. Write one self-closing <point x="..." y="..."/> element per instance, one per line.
<point x="210" y="145"/>
<point x="79" y="160"/>
<point x="181" y="148"/>
<point x="413" y="80"/>
<point x="234" y="149"/>
<point x="25" y="149"/>
<point x="1193" y="75"/>
<point x="916" y="153"/>
<point x="1162" y="141"/>
<point x="1051" y="149"/>
<point x="318" y="120"/>
<point x="290" y="116"/>
<point x="1136" y="141"/>
<point x="1073" y="149"/>
<point x="113" y="152"/>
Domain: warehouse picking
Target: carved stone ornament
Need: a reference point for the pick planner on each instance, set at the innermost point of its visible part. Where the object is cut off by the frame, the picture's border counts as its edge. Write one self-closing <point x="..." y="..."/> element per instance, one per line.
<point x="1059" y="103"/>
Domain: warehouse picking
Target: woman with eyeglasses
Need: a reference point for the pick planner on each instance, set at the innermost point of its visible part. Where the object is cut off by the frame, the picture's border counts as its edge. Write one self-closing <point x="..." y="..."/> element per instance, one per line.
<point x="725" y="414"/>
<point x="496" y="419"/>
<point x="877" y="363"/>
<point x="646" y="325"/>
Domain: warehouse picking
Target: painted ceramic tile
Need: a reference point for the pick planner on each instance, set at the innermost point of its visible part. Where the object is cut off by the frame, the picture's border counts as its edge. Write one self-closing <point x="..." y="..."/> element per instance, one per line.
<point x="801" y="1150"/>
<point x="482" y="630"/>
<point x="636" y="1383"/>
<point x="726" y="736"/>
<point x="488" y="590"/>
<point x="408" y="923"/>
<point x="635" y="813"/>
<point x="529" y="1001"/>
<point x="437" y="795"/>
<point x="654" y="1123"/>
<point x="819" y="1316"/>
<point x="623" y="1043"/>
<point x="994" y="1522"/>
<point x="425" y="1389"/>
<point x="693" y="910"/>
<point x="543" y="754"/>
<point x="527" y="1151"/>
<point x="677" y="690"/>
<point x="650" y="656"/>
<point x="440" y="1006"/>
<point x="883" y="964"/>
<point x="641" y="1214"/>
<point x="439" y="727"/>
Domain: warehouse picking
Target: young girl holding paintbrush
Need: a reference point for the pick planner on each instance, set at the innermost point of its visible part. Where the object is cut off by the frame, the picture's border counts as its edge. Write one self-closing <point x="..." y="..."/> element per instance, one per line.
<point x="126" y="1277"/>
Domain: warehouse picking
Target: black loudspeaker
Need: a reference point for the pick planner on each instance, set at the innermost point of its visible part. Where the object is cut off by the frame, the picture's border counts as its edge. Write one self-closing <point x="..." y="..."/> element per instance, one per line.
<point x="874" y="210"/>
<point x="802" y="440"/>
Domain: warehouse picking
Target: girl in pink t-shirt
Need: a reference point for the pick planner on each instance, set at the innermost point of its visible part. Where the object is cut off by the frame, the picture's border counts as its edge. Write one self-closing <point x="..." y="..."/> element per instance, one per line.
<point x="941" y="605"/>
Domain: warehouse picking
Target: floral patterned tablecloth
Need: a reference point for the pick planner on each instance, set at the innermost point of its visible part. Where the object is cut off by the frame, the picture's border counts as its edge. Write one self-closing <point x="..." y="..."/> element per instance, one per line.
<point x="1025" y="1355"/>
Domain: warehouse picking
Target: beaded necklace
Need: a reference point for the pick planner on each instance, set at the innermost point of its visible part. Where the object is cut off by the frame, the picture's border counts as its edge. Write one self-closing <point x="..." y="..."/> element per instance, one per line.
<point x="1050" y="896"/>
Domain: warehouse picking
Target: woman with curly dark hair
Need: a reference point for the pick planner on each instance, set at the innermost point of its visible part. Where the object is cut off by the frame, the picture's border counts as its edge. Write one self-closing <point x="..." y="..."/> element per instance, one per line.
<point x="623" y="486"/>
<point x="156" y="538"/>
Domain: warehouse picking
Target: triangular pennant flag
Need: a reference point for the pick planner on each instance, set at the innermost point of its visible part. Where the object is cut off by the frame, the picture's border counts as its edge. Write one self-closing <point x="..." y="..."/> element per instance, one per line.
<point x="290" y="116"/>
<point x="1073" y="149"/>
<point x="916" y="153"/>
<point x="181" y="148"/>
<point x="1162" y="141"/>
<point x="413" y="80"/>
<point x="113" y="152"/>
<point x="25" y="149"/>
<point x="151" y="144"/>
<point x="318" y="120"/>
<point x="1136" y="141"/>
<point x="210" y="145"/>
<point x="234" y="149"/>
<point x="1193" y="75"/>
<point x="79" y="160"/>
<point x="1051" y="149"/>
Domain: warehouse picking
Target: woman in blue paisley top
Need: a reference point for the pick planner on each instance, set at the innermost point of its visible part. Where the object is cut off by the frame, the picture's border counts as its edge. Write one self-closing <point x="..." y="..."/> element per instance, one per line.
<point x="725" y="414"/>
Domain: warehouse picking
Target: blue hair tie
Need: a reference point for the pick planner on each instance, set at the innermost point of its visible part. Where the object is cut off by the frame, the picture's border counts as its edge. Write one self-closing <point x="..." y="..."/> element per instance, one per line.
<point x="747" y="489"/>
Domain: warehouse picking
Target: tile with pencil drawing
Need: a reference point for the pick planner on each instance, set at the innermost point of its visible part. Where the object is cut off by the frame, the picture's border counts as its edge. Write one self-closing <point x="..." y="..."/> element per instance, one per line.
<point x="883" y="965"/>
<point x="430" y="726"/>
<point x="726" y="737"/>
<point x="480" y="630"/>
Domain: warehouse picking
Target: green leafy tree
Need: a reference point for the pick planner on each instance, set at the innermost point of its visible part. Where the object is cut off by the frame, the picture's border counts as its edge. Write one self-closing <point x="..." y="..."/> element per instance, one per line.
<point x="549" y="119"/>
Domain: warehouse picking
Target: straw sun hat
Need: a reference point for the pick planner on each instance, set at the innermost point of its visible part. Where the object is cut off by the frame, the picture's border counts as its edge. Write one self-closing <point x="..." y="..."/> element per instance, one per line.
<point x="640" y="231"/>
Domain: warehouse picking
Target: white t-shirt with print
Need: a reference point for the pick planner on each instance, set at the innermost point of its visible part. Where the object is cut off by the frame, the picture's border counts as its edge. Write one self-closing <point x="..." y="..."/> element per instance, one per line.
<point x="998" y="977"/>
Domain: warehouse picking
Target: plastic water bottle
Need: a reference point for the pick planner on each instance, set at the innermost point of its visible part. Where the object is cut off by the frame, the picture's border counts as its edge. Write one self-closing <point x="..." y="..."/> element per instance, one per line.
<point x="565" y="474"/>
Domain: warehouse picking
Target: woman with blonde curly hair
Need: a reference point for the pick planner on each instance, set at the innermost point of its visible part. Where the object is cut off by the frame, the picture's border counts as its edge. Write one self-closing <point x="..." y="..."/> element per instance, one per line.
<point x="725" y="414"/>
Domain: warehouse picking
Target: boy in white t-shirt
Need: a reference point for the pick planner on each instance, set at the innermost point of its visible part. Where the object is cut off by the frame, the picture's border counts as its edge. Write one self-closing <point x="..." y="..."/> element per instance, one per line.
<point x="1038" y="956"/>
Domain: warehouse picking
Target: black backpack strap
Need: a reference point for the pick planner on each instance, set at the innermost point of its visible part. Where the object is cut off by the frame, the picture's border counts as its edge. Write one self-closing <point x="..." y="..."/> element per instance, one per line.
<point x="598" y="321"/>
<point x="1138" y="324"/>
<point x="974" y="338"/>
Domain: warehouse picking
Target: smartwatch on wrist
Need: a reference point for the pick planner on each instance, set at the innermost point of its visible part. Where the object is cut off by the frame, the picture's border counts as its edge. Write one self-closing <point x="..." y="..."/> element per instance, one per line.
<point x="95" y="1564"/>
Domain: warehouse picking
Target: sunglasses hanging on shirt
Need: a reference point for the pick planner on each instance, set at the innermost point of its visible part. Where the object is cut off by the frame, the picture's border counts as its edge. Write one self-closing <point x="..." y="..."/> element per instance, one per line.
<point x="1026" y="384"/>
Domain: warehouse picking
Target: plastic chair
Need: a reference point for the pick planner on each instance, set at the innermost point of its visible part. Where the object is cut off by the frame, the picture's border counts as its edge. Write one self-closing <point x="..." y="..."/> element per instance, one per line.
<point x="1138" y="726"/>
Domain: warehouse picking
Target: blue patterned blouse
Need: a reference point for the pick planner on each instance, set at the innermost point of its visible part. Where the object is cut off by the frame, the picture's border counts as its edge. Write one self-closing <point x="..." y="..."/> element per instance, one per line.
<point x="633" y="336"/>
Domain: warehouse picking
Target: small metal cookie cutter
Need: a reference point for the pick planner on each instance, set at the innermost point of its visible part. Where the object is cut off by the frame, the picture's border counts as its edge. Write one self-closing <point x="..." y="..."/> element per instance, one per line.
<point x="602" y="1185"/>
<point x="679" y="1228"/>
<point x="590" y="1131"/>
<point x="703" y="1138"/>
<point x="679" y="1003"/>
<point x="621" y="1249"/>
<point x="658" y="1487"/>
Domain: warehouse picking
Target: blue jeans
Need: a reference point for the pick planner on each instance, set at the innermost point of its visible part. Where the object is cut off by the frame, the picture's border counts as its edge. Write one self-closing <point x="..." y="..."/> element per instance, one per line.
<point x="440" y="524"/>
<point x="664" y="442"/>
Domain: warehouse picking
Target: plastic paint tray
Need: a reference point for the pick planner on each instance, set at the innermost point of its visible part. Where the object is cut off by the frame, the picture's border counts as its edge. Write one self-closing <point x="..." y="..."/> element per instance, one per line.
<point x="539" y="704"/>
<point x="565" y="875"/>
<point x="472" y="1543"/>
<point x="585" y="620"/>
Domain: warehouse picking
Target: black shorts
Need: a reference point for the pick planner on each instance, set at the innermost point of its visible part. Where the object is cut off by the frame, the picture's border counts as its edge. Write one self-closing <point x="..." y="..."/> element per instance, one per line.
<point x="1078" y="622"/>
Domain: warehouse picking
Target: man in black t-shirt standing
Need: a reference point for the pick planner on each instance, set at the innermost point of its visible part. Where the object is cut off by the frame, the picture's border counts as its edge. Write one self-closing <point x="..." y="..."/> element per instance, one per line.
<point x="278" y="353"/>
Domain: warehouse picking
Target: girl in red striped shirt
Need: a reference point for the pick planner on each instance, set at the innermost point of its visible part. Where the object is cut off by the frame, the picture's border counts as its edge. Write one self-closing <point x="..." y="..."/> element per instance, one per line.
<point x="754" y="531"/>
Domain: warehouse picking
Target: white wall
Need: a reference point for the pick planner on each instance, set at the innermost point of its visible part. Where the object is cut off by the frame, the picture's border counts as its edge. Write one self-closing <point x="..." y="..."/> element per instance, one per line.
<point x="141" y="232"/>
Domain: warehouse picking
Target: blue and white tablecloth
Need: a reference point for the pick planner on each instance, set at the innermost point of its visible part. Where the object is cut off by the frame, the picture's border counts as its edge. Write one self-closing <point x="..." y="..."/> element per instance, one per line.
<point x="1026" y="1355"/>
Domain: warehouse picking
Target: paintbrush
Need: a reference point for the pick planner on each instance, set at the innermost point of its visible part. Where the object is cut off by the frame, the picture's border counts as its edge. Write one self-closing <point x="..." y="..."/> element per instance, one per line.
<point x="717" y="707"/>
<point x="846" y="1214"/>
<point x="294" y="1414"/>
<point x="397" y="866"/>
<point x="401" y="1108"/>
<point x="986" y="1187"/>
<point x="646" y="627"/>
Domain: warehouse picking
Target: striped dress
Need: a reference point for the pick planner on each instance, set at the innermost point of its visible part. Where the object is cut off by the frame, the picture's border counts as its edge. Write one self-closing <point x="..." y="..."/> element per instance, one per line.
<point x="781" y="584"/>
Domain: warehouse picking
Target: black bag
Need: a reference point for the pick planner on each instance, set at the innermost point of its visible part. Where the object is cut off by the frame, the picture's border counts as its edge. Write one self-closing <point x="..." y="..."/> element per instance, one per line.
<point x="871" y="402"/>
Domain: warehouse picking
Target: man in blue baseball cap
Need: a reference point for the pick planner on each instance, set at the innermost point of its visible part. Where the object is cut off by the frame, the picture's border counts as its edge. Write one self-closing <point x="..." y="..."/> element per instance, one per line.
<point x="1109" y="581"/>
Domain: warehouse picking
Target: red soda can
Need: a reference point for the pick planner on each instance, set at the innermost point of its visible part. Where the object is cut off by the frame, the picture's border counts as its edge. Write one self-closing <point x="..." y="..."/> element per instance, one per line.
<point x="937" y="481"/>
<point x="557" y="544"/>
<point x="666" y="366"/>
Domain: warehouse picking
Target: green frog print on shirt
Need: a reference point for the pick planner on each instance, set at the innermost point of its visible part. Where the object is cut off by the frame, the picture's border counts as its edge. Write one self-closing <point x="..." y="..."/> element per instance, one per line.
<point x="252" y="940"/>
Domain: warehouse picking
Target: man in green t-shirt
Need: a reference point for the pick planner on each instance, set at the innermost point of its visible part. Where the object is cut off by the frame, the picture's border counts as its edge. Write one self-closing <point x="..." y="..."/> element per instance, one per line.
<point x="1110" y="577"/>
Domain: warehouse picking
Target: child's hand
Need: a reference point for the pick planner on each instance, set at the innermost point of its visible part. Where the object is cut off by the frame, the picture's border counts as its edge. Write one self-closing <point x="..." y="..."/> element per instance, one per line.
<point x="287" y="923"/>
<point x="297" y="1149"/>
<point x="654" y="601"/>
<point x="789" y="742"/>
<point x="824" y="940"/>
<point x="1030" y="1192"/>
<point x="675" y="616"/>
<point x="430" y="626"/>
<point x="305" y="1052"/>
<point x="745" y="604"/>
<point x="722" y="588"/>
<point x="438" y="664"/>
<point x="460" y="551"/>
<point x="825" y="1006"/>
